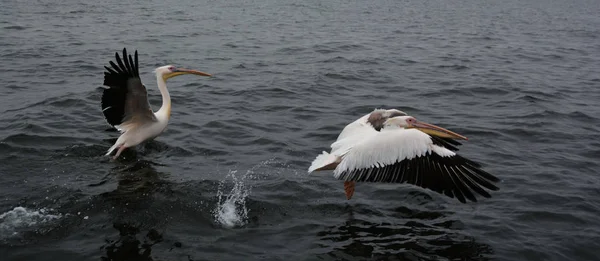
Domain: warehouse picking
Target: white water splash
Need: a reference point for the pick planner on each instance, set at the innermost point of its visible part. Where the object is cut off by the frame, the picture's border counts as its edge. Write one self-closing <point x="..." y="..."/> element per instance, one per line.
<point x="231" y="209"/>
<point x="21" y="218"/>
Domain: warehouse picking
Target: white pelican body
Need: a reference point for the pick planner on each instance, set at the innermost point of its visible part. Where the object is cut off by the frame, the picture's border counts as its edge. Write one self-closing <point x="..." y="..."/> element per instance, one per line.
<point x="125" y="102"/>
<point x="388" y="146"/>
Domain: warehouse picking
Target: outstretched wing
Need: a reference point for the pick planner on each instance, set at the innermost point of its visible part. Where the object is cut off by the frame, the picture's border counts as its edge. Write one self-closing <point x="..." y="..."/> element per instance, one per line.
<point x="125" y="101"/>
<point x="447" y="143"/>
<point x="355" y="127"/>
<point x="411" y="156"/>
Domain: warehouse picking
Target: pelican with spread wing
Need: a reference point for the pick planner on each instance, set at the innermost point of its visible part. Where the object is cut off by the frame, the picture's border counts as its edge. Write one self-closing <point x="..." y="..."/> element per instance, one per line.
<point x="125" y="102"/>
<point x="390" y="146"/>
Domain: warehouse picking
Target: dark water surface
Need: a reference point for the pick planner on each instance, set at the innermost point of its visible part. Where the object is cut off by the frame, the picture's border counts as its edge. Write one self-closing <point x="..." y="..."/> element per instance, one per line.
<point x="228" y="181"/>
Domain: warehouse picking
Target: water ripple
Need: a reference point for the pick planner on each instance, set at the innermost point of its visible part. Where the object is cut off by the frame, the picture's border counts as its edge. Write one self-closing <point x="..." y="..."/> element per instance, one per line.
<point x="519" y="79"/>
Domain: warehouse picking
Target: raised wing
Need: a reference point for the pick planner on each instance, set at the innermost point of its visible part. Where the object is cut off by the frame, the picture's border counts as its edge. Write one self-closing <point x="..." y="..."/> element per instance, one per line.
<point x="125" y="101"/>
<point x="410" y="156"/>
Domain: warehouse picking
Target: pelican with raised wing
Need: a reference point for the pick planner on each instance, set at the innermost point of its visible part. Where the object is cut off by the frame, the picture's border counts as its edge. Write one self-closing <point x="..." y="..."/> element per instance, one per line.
<point x="390" y="146"/>
<point x="125" y="102"/>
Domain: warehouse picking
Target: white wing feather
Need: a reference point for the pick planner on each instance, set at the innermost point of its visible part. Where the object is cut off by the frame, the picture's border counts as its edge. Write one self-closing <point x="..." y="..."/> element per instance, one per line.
<point x="377" y="149"/>
<point x="355" y="127"/>
<point x="350" y="135"/>
<point x="322" y="160"/>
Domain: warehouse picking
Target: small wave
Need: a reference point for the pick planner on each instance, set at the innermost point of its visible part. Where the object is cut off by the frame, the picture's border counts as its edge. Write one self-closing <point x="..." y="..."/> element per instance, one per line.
<point x="531" y="98"/>
<point x="231" y="210"/>
<point x="230" y="45"/>
<point x="414" y="240"/>
<point x="346" y="76"/>
<point x="34" y="141"/>
<point x="15" y="27"/>
<point x="343" y="60"/>
<point x="219" y="58"/>
<point x="457" y="67"/>
<point x="337" y="59"/>
<point x="78" y="11"/>
<point x="16" y="87"/>
<point x="472" y="90"/>
<point x="291" y="50"/>
<point x="20" y="218"/>
<point x="552" y="114"/>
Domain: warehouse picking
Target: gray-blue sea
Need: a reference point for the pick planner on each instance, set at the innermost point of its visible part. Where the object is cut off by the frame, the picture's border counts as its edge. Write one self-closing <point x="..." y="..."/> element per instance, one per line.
<point x="228" y="179"/>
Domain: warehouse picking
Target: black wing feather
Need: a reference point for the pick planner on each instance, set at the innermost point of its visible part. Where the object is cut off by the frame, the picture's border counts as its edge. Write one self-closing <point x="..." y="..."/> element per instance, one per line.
<point x="453" y="176"/>
<point x="120" y="62"/>
<point x="127" y="64"/>
<point x="447" y="143"/>
<point x="116" y="67"/>
<point x="117" y="79"/>
<point x="109" y="71"/>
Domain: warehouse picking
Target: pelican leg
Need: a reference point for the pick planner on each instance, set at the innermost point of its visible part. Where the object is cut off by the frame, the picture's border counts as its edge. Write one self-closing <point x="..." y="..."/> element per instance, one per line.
<point x="349" y="188"/>
<point x="121" y="148"/>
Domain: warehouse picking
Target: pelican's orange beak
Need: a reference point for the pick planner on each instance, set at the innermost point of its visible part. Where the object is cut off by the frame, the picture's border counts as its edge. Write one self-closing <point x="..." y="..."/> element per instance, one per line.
<point x="187" y="71"/>
<point x="181" y="71"/>
<point x="436" y="130"/>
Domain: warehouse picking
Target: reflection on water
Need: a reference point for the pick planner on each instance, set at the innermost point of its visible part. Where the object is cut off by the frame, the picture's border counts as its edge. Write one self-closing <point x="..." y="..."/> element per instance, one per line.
<point x="128" y="246"/>
<point x="137" y="179"/>
<point x="133" y="210"/>
<point x="425" y="235"/>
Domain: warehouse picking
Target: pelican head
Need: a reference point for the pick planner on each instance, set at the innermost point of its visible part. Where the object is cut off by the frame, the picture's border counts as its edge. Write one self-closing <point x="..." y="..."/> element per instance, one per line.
<point x="170" y="71"/>
<point x="409" y="122"/>
<point x="378" y="117"/>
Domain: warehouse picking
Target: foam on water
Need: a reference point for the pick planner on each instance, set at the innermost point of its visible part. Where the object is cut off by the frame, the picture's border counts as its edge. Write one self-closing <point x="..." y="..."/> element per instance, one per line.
<point x="231" y="210"/>
<point x="11" y="222"/>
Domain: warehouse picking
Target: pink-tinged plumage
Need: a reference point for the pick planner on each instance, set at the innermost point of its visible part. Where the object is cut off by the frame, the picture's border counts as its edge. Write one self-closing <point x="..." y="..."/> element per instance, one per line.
<point x="389" y="146"/>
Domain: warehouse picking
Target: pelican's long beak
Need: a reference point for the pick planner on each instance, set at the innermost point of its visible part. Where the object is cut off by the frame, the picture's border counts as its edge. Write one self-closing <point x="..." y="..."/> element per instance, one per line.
<point x="181" y="71"/>
<point x="187" y="71"/>
<point x="436" y="131"/>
